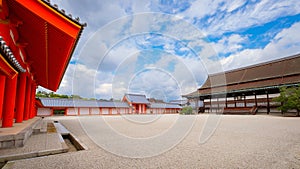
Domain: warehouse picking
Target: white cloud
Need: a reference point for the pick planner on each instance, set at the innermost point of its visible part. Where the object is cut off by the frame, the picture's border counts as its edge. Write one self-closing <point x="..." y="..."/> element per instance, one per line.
<point x="104" y="90"/>
<point x="229" y="44"/>
<point x="285" y="43"/>
<point x="233" y="5"/>
<point x="121" y="62"/>
<point x="201" y="8"/>
<point x="245" y="16"/>
<point x="156" y="83"/>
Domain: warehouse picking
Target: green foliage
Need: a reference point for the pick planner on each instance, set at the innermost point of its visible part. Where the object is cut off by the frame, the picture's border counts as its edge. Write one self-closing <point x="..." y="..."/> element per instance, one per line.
<point x="55" y="95"/>
<point x="187" y="110"/>
<point x="51" y="94"/>
<point x="42" y="94"/>
<point x="290" y="99"/>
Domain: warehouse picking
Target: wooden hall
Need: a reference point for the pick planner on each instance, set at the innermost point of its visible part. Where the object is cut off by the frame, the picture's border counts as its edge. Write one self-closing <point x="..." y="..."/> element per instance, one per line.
<point x="37" y="41"/>
<point x="248" y="90"/>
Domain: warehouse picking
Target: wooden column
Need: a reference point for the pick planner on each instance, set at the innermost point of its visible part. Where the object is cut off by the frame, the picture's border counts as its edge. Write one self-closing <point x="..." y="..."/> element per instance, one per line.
<point x="234" y="99"/>
<point x="9" y="102"/>
<point x="197" y="105"/>
<point x="255" y="99"/>
<point x="32" y="103"/>
<point x="226" y="102"/>
<point x="210" y="109"/>
<point x="218" y="105"/>
<point x="2" y="89"/>
<point x="268" y="104"/>
<point x="144" y="109"/>
<point x="66" y="111"/>
<point x="203" y="105"/>
<point x="27" y="98"/>
<point x="140" y="108"/>
<point x="20" y="100"/>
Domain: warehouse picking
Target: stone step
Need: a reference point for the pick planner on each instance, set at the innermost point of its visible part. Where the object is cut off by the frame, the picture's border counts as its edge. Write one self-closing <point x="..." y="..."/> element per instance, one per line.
<point x="44" y="127"/>
<point x="40" y="127"/>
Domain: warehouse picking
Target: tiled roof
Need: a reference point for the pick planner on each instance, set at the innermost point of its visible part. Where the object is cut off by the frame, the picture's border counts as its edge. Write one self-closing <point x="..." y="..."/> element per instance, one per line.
<point x="63" y="12"/>
<point x="165" y="106"/>
<point x="275" y="73"/>
<point x="56" y="102"/>
<point x="178" y="101"/>
<point x="113" y="104"/>
<point x="6" y="51"/>
<point x="137" y="98"/>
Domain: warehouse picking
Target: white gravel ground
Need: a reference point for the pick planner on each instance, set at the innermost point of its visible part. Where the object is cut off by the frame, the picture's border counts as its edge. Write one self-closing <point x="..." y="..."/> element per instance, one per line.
<point x="239" y="141"/>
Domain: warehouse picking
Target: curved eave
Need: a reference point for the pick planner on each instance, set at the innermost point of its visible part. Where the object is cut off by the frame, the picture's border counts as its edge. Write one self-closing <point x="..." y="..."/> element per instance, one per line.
<point x="55" y="38"/>
<point x="71" y="54"/>
<point x="246" y="92"/>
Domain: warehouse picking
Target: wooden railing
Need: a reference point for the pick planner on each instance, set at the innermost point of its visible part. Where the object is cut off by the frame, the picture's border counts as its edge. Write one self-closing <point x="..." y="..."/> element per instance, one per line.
<point x="240" y="110"/>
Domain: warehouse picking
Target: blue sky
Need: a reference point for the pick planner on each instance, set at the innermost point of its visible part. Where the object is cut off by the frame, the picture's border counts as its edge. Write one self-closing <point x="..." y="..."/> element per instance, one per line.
<point x="166" y="48"/>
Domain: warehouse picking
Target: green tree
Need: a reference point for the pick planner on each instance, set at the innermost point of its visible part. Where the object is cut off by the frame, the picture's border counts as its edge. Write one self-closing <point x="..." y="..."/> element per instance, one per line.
<point x="290" y="99"/>
<point x="75" y="97"/>
<point x="187" y="110"/>
<point x="42" y="94"/>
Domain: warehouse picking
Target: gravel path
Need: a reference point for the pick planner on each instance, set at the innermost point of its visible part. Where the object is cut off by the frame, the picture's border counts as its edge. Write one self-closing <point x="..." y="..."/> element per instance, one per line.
<point x="239" y="141"/>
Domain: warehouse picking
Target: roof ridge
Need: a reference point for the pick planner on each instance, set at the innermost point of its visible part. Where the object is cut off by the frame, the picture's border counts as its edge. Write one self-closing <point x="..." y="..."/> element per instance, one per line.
<point x="62" y="11"/>
<point x="136" y="94"/>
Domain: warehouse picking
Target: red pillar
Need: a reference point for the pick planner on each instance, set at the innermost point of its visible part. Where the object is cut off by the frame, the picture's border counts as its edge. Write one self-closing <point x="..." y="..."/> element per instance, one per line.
<point x="27" y="98"/>
<point x="9" y="102"/>
<point x="2" y="88"/>
<point x="144" y="109"/>
<point x="140" y="109"/>
<point x="32" y="103"/>
<point x="20" y="100"/>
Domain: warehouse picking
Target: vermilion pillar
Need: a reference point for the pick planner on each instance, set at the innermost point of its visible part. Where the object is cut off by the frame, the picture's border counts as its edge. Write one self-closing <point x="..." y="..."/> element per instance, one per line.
<point x="2" y="87"/>
<point x="9" y="102"/>
<point x="140" y="108"/>
<point x="32" y="103"/>
<point x="27" y="98"/>
<point x="144" y="106"/>
<point x="20" y="100"/>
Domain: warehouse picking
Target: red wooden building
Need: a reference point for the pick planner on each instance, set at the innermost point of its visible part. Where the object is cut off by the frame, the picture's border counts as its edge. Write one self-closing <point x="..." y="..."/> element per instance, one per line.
<point x="79" y="107"/>
<point x="36" y="43"/>
<point x="137" y="102"/>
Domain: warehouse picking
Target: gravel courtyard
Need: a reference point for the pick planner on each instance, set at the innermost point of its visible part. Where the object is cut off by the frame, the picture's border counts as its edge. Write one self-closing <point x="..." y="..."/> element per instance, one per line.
<point x="173" y="141"/>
